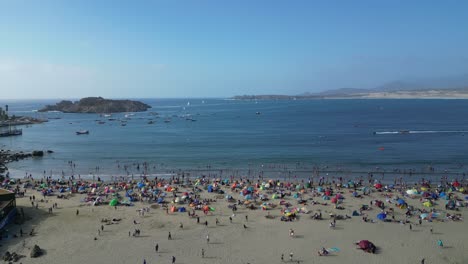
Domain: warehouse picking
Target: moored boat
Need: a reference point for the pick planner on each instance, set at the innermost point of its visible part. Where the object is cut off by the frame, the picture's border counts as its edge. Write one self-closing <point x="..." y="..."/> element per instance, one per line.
<point x="82" y="132"/>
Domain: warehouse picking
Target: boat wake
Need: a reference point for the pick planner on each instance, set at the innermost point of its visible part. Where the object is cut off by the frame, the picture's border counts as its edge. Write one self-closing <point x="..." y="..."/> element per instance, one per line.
<point x="419" y="132"/>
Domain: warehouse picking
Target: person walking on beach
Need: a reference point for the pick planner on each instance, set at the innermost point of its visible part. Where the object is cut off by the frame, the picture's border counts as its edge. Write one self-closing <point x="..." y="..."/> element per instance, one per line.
<point x="423" y="261"/>
<point x="203" y="253"/>
<point x="207" y="239"/>
<point x="440" y="243"/>
<point x="291" y="256"/>
<point x="282" y="257"/>
<point x="246" y="218"/>
<point x="169" y="237"/>
<point x="156" y="248"/>
<point x="144" y="261"/>
<point x="173" y="259"/>
<point x="77" y="212"/>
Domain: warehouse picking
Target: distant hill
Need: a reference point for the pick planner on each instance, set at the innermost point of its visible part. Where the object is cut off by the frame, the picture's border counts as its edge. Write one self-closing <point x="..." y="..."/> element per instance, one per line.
<point x="443" y="87"/>
<point x="97" y="105"/>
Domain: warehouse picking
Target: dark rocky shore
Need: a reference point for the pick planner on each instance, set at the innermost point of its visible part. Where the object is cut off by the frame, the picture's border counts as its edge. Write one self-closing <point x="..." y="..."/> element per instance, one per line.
<point x="7" y="156"/>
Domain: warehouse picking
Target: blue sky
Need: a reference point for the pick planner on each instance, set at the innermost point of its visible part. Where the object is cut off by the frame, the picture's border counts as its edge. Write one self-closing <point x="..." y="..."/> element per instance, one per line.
<point x="70" y="49"/>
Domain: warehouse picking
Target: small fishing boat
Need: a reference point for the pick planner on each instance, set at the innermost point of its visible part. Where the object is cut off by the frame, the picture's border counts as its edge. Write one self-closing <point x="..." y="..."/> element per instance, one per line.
<point x="82" y="132"/>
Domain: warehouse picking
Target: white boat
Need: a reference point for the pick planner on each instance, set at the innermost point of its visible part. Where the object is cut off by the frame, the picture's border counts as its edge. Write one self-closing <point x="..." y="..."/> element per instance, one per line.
<point x="82" y="132"/>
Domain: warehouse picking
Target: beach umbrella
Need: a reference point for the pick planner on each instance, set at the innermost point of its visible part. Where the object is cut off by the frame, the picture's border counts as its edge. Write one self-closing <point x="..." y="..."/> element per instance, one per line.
<point x="427" y="204"/>
<point x="319" y="189"/>
<point x="424" y="216"/>
<point x="412" y="192"/>
<point x="382" y="216"/>
<point x="400" y="201"/>
<point x="378" y="186"/>
<point x="456" y="184"/>
<point x="355" y="194"/>
<point x="334" y="200"/>
<point x="326" y="197"/>
<point x="364" y="244"/>
<point x="114" y="202"/>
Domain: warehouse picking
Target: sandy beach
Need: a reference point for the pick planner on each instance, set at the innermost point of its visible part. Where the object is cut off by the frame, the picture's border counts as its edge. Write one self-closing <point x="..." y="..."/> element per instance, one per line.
<point x="68" y="237"/>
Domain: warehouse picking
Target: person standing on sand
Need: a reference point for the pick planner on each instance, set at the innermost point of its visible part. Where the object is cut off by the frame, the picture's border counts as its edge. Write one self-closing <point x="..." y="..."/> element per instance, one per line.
<point x="440" y="243"/>
<point x="169" y="237"/>
<point x="282" y="257"/>
<point x="291" y="256"/>
<point x="77" y="212"/>
<point x="173" y="259"/>
<point x="156" y="248"/>
<point x="207" y="239"/>
<point x="203" y="253"/>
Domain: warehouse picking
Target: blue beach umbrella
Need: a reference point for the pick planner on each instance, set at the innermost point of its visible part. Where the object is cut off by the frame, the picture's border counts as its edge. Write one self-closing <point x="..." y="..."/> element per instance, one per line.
<point x="400" y="201"/>
<point x="381" y="216"/>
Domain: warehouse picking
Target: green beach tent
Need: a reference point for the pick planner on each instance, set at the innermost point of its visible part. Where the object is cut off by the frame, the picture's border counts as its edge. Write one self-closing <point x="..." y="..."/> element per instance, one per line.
<point x="114" y="202"/>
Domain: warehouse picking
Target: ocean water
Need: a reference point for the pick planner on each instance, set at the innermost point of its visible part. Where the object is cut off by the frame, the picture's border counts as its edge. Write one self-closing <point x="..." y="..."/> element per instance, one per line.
<point x="227" y="134"/>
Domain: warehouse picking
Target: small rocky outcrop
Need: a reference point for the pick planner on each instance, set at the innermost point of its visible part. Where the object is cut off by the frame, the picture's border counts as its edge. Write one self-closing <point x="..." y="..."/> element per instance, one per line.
<point x="38" y="153"/>
<point x="97" y="105"/>
<point x="36" y="251"/>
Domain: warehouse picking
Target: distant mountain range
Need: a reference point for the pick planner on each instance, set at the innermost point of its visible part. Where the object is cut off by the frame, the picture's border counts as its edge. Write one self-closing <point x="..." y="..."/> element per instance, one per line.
<point x="446" y="87"/>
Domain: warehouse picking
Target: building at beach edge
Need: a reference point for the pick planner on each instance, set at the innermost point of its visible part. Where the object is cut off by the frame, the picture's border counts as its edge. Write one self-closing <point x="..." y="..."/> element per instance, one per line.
<point x="7" y="207"/>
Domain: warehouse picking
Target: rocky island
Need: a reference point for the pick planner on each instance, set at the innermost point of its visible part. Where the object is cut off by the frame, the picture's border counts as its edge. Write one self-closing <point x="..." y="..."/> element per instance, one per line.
<point x="97" y="105"/>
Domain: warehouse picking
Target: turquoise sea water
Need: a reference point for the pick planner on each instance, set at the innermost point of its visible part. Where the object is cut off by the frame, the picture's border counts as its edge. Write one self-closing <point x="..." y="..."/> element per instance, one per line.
<point x="285" y="135"/>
